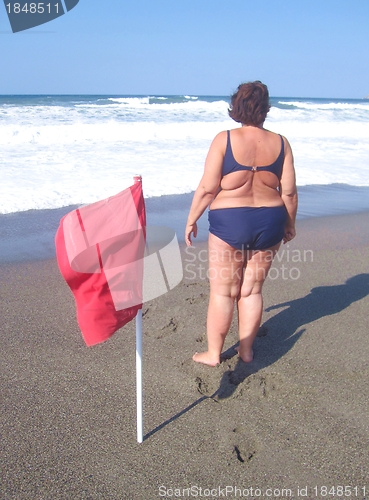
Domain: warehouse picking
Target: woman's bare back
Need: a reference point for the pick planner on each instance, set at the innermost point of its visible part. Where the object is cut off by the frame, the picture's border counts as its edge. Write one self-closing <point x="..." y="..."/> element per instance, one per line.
<point x="251" y="147"/>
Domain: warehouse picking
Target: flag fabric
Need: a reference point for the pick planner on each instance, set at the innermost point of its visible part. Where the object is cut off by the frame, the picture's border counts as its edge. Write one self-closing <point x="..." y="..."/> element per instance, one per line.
<point x="100" y="251"/>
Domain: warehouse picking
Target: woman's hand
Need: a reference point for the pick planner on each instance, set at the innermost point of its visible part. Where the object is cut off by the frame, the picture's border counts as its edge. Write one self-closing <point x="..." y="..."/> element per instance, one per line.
<point x="289" y="233"/>
<point x="190" y="229"/>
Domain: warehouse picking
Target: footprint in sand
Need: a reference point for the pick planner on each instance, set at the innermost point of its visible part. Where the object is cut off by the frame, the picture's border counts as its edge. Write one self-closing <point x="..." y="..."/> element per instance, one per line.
<point x="168" y="329"/>
<point x="237" y="445"/>
<point x="265" y="384"/>
<point x="197" y="299"/>
<point x="244" y="446"/>
<point x="200" y="338"/>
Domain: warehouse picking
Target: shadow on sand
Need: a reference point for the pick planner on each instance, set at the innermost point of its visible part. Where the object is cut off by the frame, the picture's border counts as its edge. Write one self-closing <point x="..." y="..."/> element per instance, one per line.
<point x="279" y="333"/>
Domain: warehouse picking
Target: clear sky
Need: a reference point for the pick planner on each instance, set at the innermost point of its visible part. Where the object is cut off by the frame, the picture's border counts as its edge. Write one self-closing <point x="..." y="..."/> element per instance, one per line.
<point x="299" y="48"/>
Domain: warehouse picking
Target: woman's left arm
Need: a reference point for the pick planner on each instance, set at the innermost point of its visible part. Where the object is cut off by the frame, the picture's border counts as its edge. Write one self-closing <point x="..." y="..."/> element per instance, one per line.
<point x="288" y="192"/>
<point x="208" y="186"/>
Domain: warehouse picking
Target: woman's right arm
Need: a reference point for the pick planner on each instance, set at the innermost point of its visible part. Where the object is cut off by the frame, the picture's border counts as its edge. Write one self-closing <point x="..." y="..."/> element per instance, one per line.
<point x="208" y="186"/>
<point x="288" y="192"/>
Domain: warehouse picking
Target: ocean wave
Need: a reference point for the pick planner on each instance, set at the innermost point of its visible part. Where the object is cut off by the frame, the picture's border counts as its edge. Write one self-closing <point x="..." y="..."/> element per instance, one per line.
<point x="78" y="149"/>
<point x="110" y="132"/>
<point x="132" y="101"/>
<point x="125" y="111"/>
<point x="187" y="104"/>
<point x="115" y="132"/>
<point x="324" y="106"/>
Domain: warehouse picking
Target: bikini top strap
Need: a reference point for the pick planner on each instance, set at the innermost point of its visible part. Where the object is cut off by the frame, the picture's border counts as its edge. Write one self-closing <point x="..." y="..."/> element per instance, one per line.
<point x="229" y="147"/>
<point x="282" y="148"/>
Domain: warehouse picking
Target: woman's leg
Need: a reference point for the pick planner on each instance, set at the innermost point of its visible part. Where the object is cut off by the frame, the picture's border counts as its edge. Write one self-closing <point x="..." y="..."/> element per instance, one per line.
<point x="250" y="300"/>
<point x="225" y="274"/>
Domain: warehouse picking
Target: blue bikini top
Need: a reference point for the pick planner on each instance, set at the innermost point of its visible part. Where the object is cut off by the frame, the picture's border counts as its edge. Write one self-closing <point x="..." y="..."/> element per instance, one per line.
<point x="230" y="164"/>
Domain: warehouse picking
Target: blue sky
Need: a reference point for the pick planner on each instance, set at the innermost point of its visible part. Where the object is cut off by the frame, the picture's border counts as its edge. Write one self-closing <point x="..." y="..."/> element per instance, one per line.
<point x="299" y="48"/>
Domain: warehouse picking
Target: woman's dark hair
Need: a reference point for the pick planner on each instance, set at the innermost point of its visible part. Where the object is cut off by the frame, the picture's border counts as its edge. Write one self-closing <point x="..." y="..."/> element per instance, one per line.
<point x="250" y="103"/>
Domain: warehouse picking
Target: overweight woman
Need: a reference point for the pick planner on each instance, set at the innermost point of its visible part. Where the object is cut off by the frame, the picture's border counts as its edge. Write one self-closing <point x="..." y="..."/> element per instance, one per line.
<point x="249" y="183"/>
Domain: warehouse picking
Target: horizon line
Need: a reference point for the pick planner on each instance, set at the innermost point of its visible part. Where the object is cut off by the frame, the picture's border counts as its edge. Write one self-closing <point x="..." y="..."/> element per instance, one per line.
<point x="170" y="95"/>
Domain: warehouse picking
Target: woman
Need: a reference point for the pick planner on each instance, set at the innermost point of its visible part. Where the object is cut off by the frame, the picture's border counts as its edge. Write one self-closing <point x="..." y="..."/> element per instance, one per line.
<point x="249" y="182"/>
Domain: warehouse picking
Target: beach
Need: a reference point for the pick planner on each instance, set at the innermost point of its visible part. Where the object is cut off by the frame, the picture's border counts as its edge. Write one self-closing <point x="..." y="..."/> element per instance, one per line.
<point x="291" y="424"/>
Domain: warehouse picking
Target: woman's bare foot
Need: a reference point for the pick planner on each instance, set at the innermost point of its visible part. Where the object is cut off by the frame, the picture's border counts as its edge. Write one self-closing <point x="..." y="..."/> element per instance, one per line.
<point x="246" y="357"/>
<point x="206" y="358"/>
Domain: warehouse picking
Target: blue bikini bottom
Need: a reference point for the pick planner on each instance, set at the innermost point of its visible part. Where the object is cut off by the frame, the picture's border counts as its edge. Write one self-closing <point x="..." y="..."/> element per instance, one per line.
<point x="249" y="228"/>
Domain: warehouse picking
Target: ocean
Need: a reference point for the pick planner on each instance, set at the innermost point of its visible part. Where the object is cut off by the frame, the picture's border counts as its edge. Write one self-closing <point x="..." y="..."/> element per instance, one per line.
<point x="58" y="152"/>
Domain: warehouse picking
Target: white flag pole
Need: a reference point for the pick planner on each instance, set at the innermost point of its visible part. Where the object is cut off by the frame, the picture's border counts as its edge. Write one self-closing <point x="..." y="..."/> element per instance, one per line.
<point x="139" y="376"/>
<point x="139" y="402"/>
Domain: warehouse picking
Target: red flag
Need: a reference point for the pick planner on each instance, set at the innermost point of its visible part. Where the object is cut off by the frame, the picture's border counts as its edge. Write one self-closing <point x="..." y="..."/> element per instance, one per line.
<point x="100" y="251"/>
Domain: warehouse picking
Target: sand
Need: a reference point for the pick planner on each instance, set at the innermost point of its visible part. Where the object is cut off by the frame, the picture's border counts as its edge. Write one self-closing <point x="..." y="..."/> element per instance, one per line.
<point x="287" y="425"/>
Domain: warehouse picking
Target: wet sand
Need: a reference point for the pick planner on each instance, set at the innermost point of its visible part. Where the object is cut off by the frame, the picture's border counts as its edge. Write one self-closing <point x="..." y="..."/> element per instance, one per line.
<point x="296" y="417"/>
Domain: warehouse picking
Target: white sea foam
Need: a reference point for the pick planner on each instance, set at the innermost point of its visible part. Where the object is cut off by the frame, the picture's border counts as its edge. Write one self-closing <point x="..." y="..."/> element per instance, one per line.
<point x="132" y="101"/>
<point x="72" y="151"/>
<point x="314" y="106"/>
